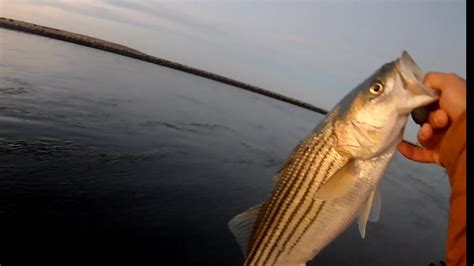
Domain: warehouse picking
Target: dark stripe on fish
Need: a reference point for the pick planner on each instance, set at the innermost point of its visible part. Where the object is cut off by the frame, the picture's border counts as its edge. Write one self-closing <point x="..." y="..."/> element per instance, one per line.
<point x="327" y="172"/>
<point x="294" y="211"/>
<point x="313" y="219"/>
<point x="277" y="198"/>
<point x="284" y="199"/>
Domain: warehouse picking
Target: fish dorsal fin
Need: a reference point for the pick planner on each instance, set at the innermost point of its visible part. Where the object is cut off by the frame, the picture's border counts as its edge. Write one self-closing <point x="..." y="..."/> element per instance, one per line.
<point x="376" y="207"/>
<point x="369" y="210"/>
<point x="294" y="153"/>
<point x="339" y="183"/>
<point x="241" y="226"/>
<point x="277" y="176"/>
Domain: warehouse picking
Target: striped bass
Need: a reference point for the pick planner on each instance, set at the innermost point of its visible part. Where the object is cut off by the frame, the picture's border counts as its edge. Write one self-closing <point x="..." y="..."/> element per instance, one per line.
<point x="331" y="177"/>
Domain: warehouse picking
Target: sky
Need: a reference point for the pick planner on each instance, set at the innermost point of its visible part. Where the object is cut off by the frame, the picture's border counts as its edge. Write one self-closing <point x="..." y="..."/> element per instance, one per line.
<point x="314" y="51"/>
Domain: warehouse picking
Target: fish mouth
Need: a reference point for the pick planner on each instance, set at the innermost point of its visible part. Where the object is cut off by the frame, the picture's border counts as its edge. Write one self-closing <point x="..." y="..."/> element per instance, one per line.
<point x="420" y="95"/>
<point x="412" y="77"/>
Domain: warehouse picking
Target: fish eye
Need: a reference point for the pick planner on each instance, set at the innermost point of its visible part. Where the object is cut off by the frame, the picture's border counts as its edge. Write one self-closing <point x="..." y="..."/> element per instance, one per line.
<point x="376" y="88"/>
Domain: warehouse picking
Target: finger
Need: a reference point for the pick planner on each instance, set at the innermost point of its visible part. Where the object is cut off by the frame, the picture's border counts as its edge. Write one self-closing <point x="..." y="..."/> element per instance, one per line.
<point x="441" y="81"/>
<point x="438" y="119"/>
<point x="424" y="134"/>
<point x="435" y="139"/>
<point x="454" y="102"/>
<point x="429" y="137"/>
<point x="418" y="154"/>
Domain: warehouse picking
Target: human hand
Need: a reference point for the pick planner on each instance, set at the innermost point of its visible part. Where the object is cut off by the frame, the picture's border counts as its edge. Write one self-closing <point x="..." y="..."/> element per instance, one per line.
<point x="451" y="104"/>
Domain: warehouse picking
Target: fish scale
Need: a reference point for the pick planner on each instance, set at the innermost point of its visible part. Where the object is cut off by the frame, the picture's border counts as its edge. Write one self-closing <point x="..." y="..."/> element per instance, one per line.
<point x="279" y="197"/>
<point x="256" y="236"/>
<point x="299" y="206"/>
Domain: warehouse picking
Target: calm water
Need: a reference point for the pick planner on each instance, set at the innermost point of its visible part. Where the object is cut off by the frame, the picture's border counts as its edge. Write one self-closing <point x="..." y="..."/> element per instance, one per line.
<point x="106" y="157"/>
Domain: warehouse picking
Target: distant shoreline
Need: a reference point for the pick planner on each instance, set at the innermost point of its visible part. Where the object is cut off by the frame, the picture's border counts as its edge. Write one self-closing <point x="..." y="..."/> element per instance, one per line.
<point x="129" y="52"/>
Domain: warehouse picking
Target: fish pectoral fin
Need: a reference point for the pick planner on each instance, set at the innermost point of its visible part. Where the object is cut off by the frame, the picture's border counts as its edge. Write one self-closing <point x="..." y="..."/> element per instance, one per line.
<point x="339" y="183"/>
<point x="369" y="212"/>
<point x="376" y="207"/>
<point x="242" y="224"/>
